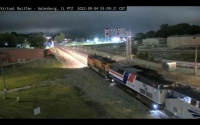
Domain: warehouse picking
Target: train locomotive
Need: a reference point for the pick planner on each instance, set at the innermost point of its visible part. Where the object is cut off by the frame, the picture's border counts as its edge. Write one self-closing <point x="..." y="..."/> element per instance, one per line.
<point x="100" y="64"/>
<point x="149" y="87"/>
<point x="183" y="101"/>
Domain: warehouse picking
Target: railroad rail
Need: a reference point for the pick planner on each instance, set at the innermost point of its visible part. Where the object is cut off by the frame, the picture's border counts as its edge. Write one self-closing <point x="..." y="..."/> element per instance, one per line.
<point x="74" y="56"/>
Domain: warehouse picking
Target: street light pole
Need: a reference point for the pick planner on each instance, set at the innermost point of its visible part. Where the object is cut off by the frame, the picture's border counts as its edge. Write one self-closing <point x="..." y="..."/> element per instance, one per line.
<point x="128" y="46"/>
<point x="4" y="85"/>
<point x="195" y="64"/>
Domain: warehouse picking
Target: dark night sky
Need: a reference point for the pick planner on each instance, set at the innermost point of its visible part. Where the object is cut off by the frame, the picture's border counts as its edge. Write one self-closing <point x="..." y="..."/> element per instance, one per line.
<point x="136" y="18"/>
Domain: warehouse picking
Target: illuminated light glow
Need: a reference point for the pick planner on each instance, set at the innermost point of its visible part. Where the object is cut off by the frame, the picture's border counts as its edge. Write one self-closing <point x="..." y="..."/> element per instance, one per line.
<point x="187" y="99"/>
<point x="96" y="39"/>
<point x="115" y="39"/>
<point x="48" y="37"/>
<point x="52" y="44"/>
<point x="113" y="80"/>
<point x="74" y="64"/>
<point x="123" y="39"/>
<point x="155" y="106"/>
<point x="158" y="114"/>
<point x="112" y="84"/>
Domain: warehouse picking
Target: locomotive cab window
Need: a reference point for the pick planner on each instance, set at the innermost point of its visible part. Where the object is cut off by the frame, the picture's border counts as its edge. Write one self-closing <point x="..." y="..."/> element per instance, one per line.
<point x="137" y="78"/>
<point x="120" y="71"/>
<point x="111" y="66"/>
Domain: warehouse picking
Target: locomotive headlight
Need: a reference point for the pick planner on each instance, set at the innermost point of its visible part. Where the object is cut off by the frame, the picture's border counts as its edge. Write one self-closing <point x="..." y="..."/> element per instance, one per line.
<point x="155" y="106"/>
<point x="113" y="80"/>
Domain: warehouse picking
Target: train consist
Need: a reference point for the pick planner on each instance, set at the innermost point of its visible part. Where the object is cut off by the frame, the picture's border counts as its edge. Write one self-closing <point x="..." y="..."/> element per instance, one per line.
<point x="150" y="87"/>
<point x="100" y="64"/>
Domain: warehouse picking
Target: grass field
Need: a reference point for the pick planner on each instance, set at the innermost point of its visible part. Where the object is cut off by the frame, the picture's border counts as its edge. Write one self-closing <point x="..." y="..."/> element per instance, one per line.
<point x="31" y="73"/>
<point x="56" y="101"/>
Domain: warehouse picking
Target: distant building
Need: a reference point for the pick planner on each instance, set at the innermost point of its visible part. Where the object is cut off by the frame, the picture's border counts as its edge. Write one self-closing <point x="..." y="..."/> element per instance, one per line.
<point x="24" y="45"/>
<point x="183" y="41"/>
<point x="14" y="55"/>
<point x="67" y="40"/>
<point x="48" y="37"/>
<point x="3" y="58"/>
<point x="154" y="41"/>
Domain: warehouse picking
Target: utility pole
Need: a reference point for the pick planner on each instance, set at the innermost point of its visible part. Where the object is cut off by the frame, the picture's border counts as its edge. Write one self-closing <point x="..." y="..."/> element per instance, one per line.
<point x="4" y="85"/>
<point x="128" y="46"/>
<point x="195" y="63"/>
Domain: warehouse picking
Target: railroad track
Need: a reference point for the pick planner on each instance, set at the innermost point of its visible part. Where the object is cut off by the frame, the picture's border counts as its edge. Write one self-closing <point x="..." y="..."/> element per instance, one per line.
<point x="125" y="89"/>
<point x="73" y="55"/>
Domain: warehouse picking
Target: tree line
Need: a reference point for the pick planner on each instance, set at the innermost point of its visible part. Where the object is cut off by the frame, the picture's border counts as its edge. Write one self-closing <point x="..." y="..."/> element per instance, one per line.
<point x="170" y="30"/>
<point x="12" y="39"/>
<point x="35" y="40"/>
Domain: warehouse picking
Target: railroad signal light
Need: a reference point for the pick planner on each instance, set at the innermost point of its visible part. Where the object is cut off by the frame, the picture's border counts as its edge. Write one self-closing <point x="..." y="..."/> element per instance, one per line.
<point x="107" y="32"/>
<point x="117" y="31"/>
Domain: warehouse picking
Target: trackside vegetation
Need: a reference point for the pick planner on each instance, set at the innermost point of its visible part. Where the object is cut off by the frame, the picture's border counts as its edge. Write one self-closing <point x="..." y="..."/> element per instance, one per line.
<point x="54" y="99"/>
<point x="30" y="73"/>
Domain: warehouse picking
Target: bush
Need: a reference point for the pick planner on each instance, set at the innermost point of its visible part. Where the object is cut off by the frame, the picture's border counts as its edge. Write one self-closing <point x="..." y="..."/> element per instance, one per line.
<point x="151" y="58"/>
<point x="144" y="55"/>
<point x="134" y="51"/>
